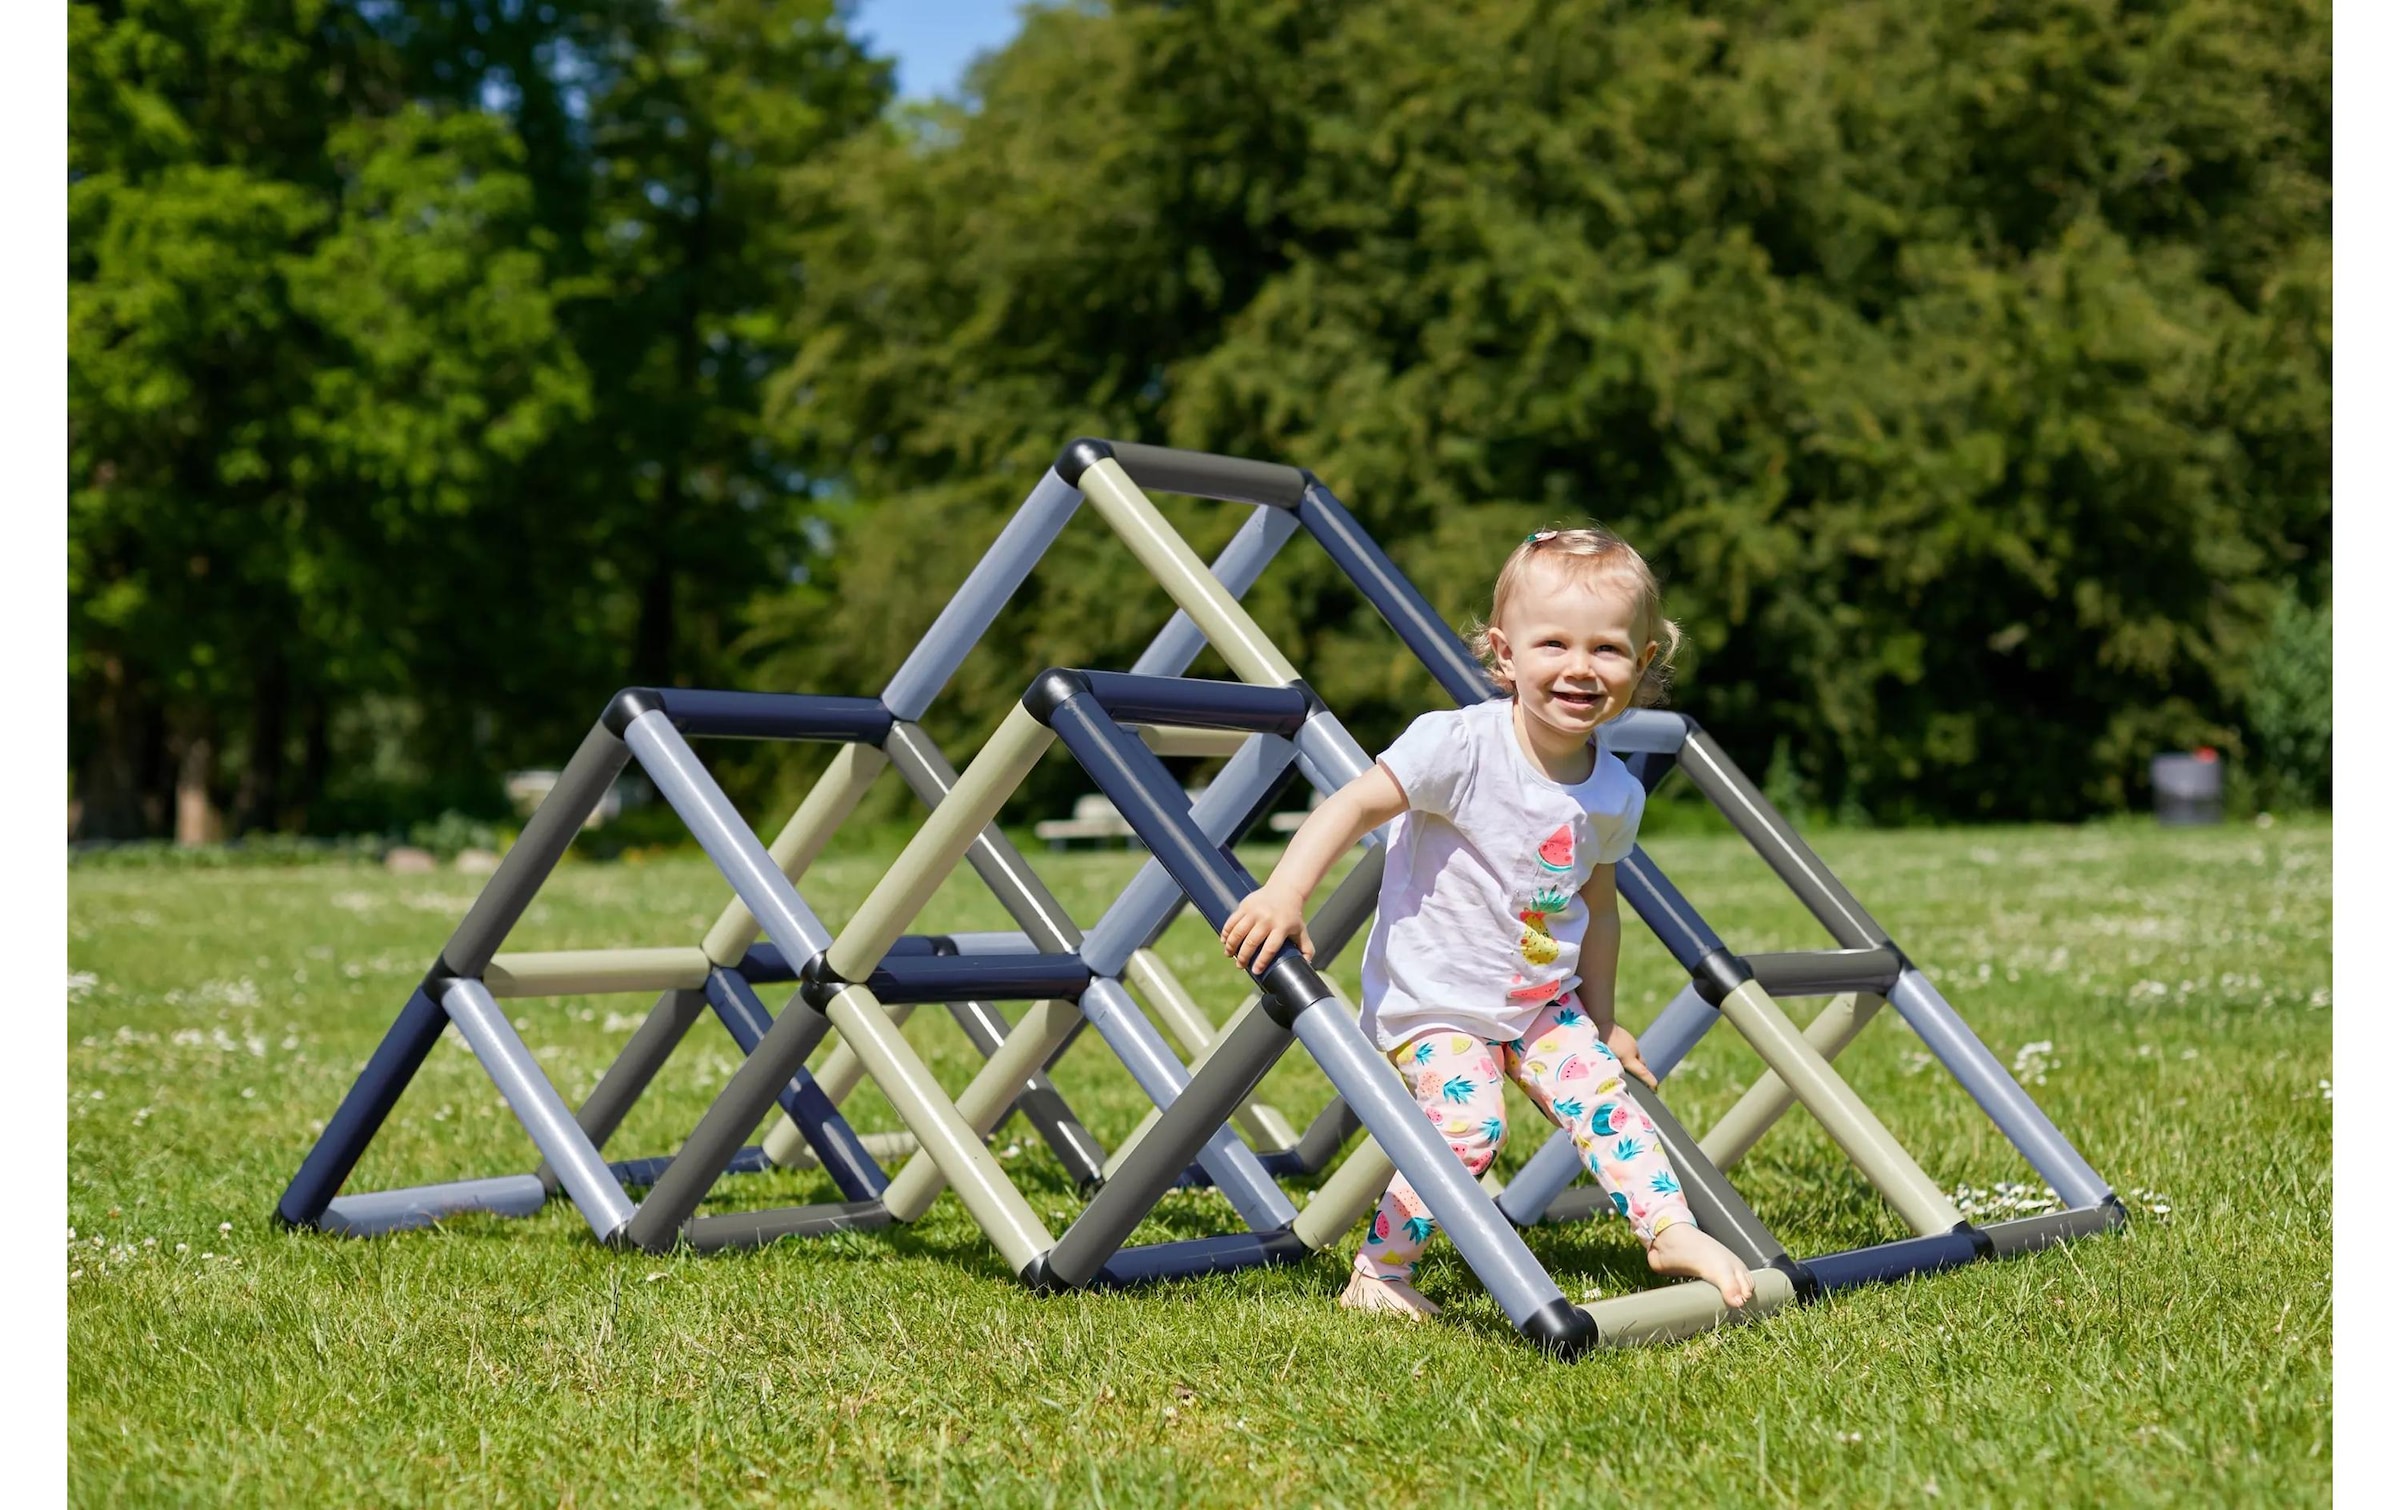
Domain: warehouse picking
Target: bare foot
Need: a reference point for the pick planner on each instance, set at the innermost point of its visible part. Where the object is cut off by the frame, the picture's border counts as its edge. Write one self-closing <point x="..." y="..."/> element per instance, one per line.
<point x="1685" y="1249"/>
<point x="1389" y="1297"/>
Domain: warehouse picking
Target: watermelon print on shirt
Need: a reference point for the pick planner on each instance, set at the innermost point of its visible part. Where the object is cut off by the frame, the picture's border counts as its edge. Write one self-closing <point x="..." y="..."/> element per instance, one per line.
<point x="1481" y="918"/>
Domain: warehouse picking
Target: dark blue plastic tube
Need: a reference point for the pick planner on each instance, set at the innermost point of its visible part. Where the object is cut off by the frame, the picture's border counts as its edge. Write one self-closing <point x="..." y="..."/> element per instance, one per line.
<point x="1189" y="702"/>
<point x="404" y="1047"/>
<point x="1886" y="1262"/>
<point x="803" y="1100"/>
<point x="637" y="1173"/>
<point x="773" y="715"/>
<point x="764" y="965"/>
<point x="1394" y="596"/>
<point x="1197" y="1256"/>
<point x="1656" y="902"/>
<point x="1158" y="810"/>
<point x="979" y="977"/>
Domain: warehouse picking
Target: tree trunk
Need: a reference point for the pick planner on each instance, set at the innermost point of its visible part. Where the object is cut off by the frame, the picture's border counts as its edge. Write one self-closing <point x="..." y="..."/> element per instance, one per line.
<point x="260" y="795"/>
<point x="196" y="818"/>
<point x="110" y="774"/>
<point x="316" y="762"/>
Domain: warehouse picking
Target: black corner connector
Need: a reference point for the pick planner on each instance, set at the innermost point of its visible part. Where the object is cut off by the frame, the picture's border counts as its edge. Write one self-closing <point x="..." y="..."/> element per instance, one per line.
<point x="818" y="984"/>
<point x="2118" y="1215"/>
<point x="1289" y="986"/>
<point x="1975" y="1235"/>
<point x="944" y="946"/>
<point x="1079" y="454"/>
<point x="627" y="706"/>
<point x="1562" y="1330"/>
<point x="1316" y="704"/>
<point x="1719" y="974"/>
<point x="1804" y="1283"/>
<point x="1051" y="689"/>
<point x="1040" y="1280"/>
<point x="437" y="980"/>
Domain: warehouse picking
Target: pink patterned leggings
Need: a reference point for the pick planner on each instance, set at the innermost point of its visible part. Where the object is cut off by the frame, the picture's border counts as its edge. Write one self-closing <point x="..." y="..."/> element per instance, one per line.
<point x="1578" y="1084"/>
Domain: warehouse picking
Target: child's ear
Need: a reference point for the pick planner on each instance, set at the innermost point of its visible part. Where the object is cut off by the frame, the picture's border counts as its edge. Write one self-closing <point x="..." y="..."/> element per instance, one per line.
<point x="1499" y="645"/>
<point x="1649" y="654"/>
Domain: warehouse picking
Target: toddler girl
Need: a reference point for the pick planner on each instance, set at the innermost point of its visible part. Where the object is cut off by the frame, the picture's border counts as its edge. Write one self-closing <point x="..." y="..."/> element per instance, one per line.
<point x="1494" y="949"/>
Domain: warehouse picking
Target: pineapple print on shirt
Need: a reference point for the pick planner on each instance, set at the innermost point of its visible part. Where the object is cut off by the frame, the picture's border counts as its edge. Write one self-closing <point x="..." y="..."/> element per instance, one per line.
<point x="1549" y="898"/>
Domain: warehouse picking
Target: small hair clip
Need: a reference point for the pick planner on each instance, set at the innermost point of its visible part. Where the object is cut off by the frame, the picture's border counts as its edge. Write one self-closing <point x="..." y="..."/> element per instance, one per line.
<point x="1538" y="536"/>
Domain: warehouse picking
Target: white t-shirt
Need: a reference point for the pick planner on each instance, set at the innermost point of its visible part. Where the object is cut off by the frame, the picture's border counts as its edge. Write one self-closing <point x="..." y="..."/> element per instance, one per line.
<point x="1480" y="921"/>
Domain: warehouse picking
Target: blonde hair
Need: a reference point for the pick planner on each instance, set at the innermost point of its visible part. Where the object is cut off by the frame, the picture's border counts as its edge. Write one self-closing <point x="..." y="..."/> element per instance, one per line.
<point x="1592" y="556"/>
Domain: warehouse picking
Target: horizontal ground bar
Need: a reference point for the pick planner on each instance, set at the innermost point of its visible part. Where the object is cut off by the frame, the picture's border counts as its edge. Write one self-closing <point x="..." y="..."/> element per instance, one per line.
<point x="1671" y="1313"/>
<point x="1885" y="1262"/>
<point x="1200" y="1255"/>
<point x="376" y="1211"/>
<point x="2028" y="1233"/>
<point x="753" y="1229"/>
<point x="640" y="1172"/>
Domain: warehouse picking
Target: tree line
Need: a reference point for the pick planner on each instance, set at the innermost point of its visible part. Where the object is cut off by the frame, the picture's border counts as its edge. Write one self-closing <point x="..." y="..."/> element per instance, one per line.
<point x="437" y="367"/>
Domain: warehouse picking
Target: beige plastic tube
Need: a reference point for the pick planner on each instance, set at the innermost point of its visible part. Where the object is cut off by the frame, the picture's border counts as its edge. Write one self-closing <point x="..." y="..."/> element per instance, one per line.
<point x="1837" y="1107"/>
<point x="987" y="1098"/>
<point x="986" y="784"/>
<point x="595" y="972"/>
<point x="835" y="796"/>
<point x="1764" y="1103"/>
<point x="1356" y="1184"/>
<point x="942" y="1134"/>
<point x="1674" y="1312"/>
<point x="1153" y="541"/>
<point x="1202" y="742"/>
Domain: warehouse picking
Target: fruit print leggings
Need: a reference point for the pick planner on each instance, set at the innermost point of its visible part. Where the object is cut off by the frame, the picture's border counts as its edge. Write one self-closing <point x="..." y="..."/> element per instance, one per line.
<point x="1578" y="1084"/>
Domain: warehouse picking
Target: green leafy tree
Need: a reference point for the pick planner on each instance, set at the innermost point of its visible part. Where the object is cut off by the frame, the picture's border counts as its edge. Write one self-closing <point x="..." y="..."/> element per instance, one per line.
<point x="1964" y="368"/>
<point x="411" y="362"/>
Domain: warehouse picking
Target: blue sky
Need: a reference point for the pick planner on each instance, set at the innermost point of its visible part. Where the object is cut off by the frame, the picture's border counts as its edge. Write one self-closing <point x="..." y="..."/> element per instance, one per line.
<point x="935" y="40"/>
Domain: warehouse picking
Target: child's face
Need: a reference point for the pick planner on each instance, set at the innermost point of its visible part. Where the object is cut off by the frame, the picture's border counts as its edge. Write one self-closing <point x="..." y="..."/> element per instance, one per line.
<point x="1574" y="650"/>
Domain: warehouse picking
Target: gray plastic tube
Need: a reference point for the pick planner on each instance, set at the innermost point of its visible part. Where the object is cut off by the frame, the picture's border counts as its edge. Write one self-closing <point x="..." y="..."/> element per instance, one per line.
<point x="978" y="601"/>
<point x="1483" y="1238"/>
<point x="531" y="1096"/>
<point x="1130" y="921"/>
<point x="1162" y="1077"/>
<point x="2002" y="1099"/>
<point x="1676" y="1031"/>
<point x="375" y="1212"/>
<point x="994" y="943"/>
<point x="1238" y="566"/>
<point x="726" y="839"/>
<point x="1329" y="756"/>
<point x="530" y="860"/>
<point x="1645" y="731"/>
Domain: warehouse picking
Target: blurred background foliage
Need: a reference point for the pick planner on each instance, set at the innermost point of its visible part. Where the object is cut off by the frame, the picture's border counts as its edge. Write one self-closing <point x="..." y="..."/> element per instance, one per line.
<point x="437" y="367"/>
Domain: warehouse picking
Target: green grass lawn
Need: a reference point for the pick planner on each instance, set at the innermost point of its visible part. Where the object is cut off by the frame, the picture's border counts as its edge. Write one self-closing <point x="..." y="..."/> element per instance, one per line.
<point x="2165" y="995"/>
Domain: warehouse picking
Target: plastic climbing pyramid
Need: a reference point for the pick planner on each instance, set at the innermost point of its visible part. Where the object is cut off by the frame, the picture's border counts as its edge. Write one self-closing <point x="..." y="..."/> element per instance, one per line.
<point x="857" y="986"/>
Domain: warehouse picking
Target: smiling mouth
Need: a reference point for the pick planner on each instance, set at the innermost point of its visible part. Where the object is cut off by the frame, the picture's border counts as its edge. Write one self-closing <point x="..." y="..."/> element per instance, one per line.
<point x="1577" y="699"/>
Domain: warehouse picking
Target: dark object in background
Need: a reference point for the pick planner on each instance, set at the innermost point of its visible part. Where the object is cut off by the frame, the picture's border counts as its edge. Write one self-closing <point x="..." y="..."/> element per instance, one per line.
<point x="2189" y="788"/>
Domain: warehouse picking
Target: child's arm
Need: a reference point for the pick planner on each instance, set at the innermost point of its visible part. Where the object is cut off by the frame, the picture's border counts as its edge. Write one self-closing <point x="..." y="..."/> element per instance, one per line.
<point x="1274" y="914"/>
<point x="1602" y="934"/>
